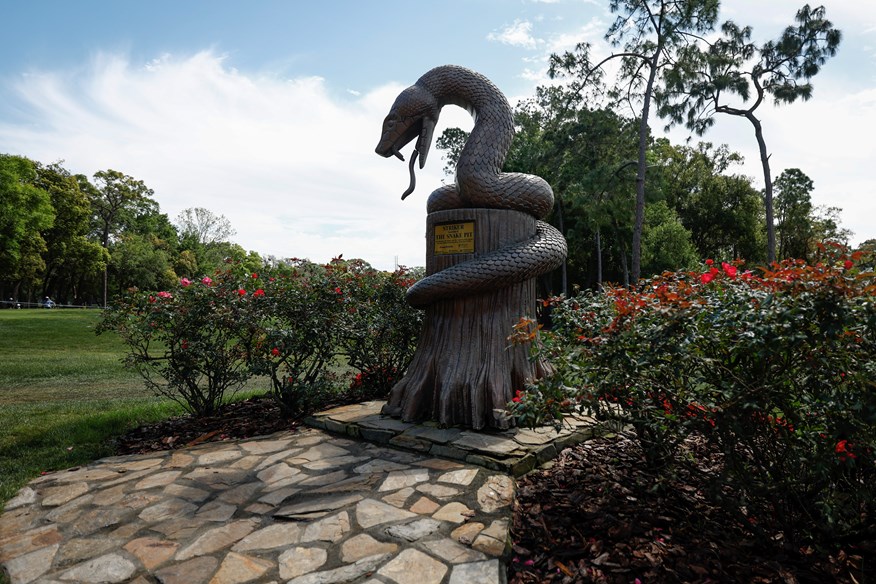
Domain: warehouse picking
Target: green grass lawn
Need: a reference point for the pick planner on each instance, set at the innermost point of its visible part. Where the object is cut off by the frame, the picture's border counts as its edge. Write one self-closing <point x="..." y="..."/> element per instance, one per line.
<point x="64" y="394"/>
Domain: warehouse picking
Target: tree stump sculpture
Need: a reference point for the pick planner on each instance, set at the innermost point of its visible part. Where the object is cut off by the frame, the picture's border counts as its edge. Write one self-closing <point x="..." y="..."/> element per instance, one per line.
<point x="485" y="247"/>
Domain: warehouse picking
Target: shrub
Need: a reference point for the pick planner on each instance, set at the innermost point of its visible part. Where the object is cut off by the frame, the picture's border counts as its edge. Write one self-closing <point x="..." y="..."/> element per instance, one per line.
<point x="185" y="341"/>
<point x="378" y="329"/>
<point x="293" y="322"/>
<point x="774" y="370"/>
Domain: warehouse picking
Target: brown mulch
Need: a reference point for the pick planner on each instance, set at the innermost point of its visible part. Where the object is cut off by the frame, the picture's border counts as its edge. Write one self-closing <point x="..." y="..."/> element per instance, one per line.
<point x="256" y="416"/>
<point x="597" y="516"/>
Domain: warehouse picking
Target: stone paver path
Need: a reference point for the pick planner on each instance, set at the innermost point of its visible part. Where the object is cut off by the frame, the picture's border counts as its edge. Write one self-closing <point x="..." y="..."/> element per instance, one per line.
<point x="303" y="508"/>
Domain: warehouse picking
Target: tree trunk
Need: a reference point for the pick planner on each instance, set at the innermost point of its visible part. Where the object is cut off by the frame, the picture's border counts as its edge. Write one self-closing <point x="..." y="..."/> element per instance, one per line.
<point x="598" y="260"/>
<point x="641" y="166"/>
<point x="465" y="371"/>
<point x="767" y="187"/>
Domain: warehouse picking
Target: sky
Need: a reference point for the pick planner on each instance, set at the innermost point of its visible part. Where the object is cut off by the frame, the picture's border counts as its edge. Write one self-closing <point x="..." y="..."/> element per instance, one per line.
<point x="268" y="112"/>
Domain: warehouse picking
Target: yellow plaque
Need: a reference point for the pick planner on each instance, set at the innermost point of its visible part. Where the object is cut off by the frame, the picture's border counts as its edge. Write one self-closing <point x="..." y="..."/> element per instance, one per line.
<point x="454" y="238"/>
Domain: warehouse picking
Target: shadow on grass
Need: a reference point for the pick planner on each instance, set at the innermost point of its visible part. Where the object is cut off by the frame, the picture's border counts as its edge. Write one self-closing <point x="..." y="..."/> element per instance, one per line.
<point x="37" y="438"/>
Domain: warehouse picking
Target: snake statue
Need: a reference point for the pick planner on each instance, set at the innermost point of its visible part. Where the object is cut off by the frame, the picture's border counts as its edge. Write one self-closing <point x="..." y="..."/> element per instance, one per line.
<point x="480" y="182"/>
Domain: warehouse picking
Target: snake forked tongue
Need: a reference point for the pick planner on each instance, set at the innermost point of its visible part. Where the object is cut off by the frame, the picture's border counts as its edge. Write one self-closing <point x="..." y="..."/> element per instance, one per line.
<point x="413" y="176"/>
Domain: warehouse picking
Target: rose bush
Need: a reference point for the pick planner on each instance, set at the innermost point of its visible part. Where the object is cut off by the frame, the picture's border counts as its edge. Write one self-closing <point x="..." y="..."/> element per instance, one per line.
<point x="378" y="329"/>
<point x="303" y="326"/>
<point x="292" y="318"/>
<point x="775" y="370"/>
<point x="185" y="342"/>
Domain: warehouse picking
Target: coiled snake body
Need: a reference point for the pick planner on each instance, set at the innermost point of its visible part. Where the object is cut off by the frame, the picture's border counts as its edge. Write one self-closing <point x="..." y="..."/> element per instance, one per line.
<point x="480" y="182"/>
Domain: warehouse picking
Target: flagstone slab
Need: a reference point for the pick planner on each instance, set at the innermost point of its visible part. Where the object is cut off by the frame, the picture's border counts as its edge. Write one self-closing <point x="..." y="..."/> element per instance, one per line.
<point x="238" y="568"/>
<point x="277" y="472"/>
<point x="152" y="552"/>
<point x="438" y="491"/>
<point x="413" y="567"/>
<point x="379" y="465"/>
<point x="96" y="519"/>
<point x="362" y="546"/>
<point x="452" y="551"/>
<point x="216" y="476"/>
<point x="332" y="463"/>
<point x="331" y="529"/>
<point x="321" y="451"/>
<point x="424" y="506"/>
<point x="495" y="493"/>
<point x="216" y="511"/>
<point x="265" y="446"/>
<point x="25" y="496"/>
<point x="301" y="560"/>
<point x="28" y="567"/>
<point x="487" y="572"/>
<point x="348" y="573"/>
<point x="370" y="513"/>
<point x="326" y="504"/>
<point x="12" y="546"/>
<point x="398" y="479"/>
<point x="195" y="571"/>
<point x="161" y="479"/>
<point x="219" y="456"/>
<point x="247" y="462"/>
<point x="218" y="538"/>
<point x="279" y="535"/>
<point x="398" y="498"/>
<point x="191" y="494"/>
<point x="415" y="530"/>
<point x="454" y="512"/>
<point x="325" y="479"/>
<point x="467" y="532"/>
<point x="80" y="548"/>
<point x="515" y="451"/>
<point x="107" y="568"/>
<point x="462" y="477"/>
<point x="167" y="509"/>
<point x="57" y="496"/>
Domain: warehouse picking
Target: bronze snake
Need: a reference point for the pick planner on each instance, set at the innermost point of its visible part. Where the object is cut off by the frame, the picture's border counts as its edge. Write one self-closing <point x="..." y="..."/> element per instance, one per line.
<point x="480" y="182"/>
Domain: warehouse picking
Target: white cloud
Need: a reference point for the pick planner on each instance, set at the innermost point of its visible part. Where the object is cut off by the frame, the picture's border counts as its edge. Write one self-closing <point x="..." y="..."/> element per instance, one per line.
<point x="292" y="166"/>
<point x="517" y="34"/>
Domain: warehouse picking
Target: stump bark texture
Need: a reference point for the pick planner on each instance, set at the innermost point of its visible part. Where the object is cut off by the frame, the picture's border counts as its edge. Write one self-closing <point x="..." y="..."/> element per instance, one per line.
<point x="465" y="371"/>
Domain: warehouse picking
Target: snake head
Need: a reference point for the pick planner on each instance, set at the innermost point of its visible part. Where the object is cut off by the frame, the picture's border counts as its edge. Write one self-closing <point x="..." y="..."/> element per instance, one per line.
<point x="413" y="115"/>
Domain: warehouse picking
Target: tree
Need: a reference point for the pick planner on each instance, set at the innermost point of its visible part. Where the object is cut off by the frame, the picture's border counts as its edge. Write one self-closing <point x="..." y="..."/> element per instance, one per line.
<point x="584" y="153"/>
<point x="793" y="204"/>
<point x="204" y="226"/>
<point x="722" y="211"/>
<point x="26" y="212"/>
<point x="651" y="32"/>
<point x="71" y="259"/>
<point x="140" y="261"/>
<point x="206" y="236"/>
<point x="666" y="243"/>
<point x="116" y="200"/>
<point x="800" y="226"/>
<point x="703" y="80"/>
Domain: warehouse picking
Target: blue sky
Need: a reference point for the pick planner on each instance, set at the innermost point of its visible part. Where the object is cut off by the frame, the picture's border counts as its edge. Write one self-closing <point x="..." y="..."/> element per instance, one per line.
<point x="268" y="112"/>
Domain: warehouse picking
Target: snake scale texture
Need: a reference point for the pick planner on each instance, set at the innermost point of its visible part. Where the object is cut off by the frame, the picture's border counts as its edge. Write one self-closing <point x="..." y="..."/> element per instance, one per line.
<point x="480" y="182"/>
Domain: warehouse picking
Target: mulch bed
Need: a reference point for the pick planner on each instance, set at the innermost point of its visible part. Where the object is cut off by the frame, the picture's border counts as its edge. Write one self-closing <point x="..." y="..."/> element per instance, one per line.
<point x="256" y="416"/>
<point x="598" y="515"/>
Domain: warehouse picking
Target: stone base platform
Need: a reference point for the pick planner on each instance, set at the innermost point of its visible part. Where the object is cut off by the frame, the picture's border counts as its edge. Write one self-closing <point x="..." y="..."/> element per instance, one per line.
<point x="516" y="451"/>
